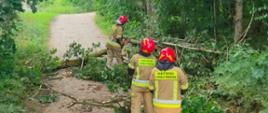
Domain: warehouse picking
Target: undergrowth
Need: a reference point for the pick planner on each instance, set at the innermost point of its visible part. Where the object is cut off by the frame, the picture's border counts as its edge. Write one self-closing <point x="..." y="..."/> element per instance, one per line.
<point x="243" y="79"/>
<point x="23" y="73"/>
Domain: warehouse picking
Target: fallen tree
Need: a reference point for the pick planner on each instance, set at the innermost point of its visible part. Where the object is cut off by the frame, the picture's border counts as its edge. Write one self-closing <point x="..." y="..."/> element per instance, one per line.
<point x="79" y="61"/>
<point x="183" y="45"/>
<point x="99" y="53"/>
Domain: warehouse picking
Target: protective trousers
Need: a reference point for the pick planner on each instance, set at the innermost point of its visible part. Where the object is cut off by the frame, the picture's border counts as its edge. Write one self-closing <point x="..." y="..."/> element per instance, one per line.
<point x="167" y="110"/>
<point x="113" y="53"/>
<point x="138" y="96"/>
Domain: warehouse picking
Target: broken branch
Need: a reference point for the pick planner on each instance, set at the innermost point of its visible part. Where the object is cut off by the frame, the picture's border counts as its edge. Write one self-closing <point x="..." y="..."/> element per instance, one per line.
<point x="112" y="103"/>
<point x="184" y="46"/>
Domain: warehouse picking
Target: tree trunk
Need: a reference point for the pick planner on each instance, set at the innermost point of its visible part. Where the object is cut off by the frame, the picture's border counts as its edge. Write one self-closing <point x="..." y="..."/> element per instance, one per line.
<point x="238" y="20"/>
<point x="150" y="14"/>
<point x="215" y="19"/>
<point x="77" y="62"/>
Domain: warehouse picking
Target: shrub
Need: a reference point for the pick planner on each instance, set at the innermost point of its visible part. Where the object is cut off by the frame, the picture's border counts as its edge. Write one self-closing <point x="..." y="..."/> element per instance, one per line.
<point x="198" y="104"/>
<point x="11" y="95"/>
<point x="243" y="76"/>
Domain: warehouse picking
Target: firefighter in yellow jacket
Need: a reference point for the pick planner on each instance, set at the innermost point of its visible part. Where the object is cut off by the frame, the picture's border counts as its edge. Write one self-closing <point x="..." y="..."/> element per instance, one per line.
<point x="167" y="82"/>
<point x="115" y="42"/>
<point x="140" y="67"/>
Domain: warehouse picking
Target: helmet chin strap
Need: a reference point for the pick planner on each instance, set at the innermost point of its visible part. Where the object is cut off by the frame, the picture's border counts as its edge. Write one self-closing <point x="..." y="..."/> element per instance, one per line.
<point x="144" y="54"/>
<point x="118" y="22"/>
<point x="164" y="65"/>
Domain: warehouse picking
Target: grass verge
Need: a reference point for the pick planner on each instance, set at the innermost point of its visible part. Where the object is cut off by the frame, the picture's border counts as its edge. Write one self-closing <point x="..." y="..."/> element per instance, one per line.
<point x="31" y="55"/>
<point x="104" y="25"/>
<point x="35" y="26"/>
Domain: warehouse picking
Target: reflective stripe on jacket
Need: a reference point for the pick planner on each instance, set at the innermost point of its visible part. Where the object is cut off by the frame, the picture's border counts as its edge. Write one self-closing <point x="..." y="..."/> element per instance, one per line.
<point x="143" y="67"/>
<point x="167" y="86"/>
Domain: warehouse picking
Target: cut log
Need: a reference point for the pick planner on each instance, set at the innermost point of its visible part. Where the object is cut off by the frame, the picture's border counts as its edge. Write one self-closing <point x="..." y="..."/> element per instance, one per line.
<point x="77" y="62"/>
<point x="99" y="53"/>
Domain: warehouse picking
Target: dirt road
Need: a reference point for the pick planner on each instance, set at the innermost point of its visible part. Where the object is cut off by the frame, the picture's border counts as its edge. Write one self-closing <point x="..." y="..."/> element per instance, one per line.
<point x="64" y="30"/>
<point x="80" y="28"/>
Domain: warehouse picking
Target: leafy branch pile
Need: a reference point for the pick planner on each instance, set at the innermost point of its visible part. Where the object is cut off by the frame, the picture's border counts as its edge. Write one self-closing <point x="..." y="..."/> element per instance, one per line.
<point x="95" y="68"/>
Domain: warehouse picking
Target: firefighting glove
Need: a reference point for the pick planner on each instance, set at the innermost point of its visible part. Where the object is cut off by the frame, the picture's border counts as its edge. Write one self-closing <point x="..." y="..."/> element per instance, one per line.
<point x="183" y="92"/>
<point x="130" y="72"/>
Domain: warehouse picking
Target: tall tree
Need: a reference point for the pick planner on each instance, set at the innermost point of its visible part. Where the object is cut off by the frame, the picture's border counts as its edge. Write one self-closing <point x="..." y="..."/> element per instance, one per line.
<point x="150" y="16"/>
<point x="238" y="20"/>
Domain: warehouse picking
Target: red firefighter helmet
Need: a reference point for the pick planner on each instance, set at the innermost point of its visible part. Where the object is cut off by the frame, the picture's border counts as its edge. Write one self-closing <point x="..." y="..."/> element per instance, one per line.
<point x="122" y="19"/>
<point x="147" y="45"/>
<point x="167" y="54"/>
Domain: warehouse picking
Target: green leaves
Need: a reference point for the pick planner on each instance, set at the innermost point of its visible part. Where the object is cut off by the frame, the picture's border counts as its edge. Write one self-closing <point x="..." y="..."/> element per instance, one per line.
<point x="96" y="70"/>
<point x="45" y="99"/>
<point x="10" y="108"/>
<point x="20" y="68"/>
<point x="244" y="75"/>
<point x="85" y="5"/>
<point x="8" y="28"/>
<point x="197" y="104"/>
<point x="262" y="13"/>
<point x="258" y="73"/>
<point x="10" y="91"/>
<point x="264" y="111"/>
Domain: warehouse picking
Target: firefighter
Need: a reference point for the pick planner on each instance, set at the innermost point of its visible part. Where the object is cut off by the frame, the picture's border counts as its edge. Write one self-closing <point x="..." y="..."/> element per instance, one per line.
<point x="140" y="67"/>
<point x="115" y="42"/>
<point x="167" y="82"/>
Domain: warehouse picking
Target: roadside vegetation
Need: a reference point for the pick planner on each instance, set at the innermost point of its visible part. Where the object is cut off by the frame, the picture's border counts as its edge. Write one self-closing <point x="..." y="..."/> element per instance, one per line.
<point x="24" y="55"/>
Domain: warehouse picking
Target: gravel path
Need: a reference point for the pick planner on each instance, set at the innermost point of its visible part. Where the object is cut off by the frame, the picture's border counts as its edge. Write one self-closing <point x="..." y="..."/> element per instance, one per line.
<point x="64" y="30"/>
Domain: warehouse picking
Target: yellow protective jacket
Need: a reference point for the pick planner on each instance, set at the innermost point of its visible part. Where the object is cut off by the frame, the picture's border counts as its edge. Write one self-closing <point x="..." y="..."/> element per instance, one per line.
<point x="117" y="31"/>
<point x="116" y="34"/>
<point x="167" y="86"/>
<point x="143" y="67"/>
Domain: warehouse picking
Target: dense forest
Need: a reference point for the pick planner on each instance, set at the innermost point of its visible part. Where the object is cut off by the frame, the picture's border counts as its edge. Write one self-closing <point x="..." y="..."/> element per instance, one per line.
<point x="221" y="45"/>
